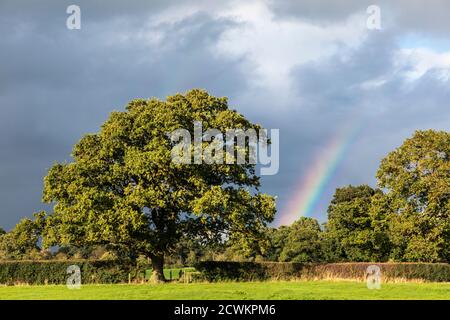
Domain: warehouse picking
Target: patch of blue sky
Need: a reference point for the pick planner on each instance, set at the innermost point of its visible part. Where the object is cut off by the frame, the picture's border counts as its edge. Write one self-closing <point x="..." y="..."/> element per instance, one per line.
<point x="417" y="40"/>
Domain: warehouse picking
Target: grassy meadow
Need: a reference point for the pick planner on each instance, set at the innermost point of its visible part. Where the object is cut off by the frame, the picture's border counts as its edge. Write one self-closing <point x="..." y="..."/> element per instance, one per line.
<point x="289" y="290"/>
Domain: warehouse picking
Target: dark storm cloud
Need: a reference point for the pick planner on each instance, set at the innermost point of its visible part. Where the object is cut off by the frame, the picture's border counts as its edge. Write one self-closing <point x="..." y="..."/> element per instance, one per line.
<point x="426" y="17"/>
<point x="57" y="84"/>
<point x="318" y="11"/>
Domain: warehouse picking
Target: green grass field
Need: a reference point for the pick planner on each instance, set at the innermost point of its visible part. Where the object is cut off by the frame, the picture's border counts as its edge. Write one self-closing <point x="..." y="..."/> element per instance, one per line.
<point x="232" y="290"/>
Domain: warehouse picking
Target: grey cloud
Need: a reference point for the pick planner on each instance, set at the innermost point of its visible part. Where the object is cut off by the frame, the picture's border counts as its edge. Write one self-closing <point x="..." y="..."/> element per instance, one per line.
<point x="332" y="97"/>
<point x="418" y="16"/>
<point x="58" y="84"/>
<point x="316" y="11"/>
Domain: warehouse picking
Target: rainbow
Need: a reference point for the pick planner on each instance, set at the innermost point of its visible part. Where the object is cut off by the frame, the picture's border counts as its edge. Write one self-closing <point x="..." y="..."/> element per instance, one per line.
<point x="310" y="188"/>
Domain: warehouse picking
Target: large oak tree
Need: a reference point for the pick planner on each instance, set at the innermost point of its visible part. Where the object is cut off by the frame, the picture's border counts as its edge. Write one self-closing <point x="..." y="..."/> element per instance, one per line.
<point x="123" y="188"/>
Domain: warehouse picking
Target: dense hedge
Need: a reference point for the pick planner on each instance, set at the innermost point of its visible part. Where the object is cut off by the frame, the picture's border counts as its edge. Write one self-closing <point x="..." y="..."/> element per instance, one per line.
<point x="55" y="272"/>
<point x="250" y="271"/>
<point x="101" y="271"/>
<point x="436" y="272"/>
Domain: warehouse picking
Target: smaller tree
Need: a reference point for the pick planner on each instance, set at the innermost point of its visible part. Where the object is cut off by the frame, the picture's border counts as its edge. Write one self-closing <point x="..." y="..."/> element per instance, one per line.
<point x="277" y="238"/>
<point x="303" y="242"/>
<point x="21" y="242"/>
<point x="357" y="229"/>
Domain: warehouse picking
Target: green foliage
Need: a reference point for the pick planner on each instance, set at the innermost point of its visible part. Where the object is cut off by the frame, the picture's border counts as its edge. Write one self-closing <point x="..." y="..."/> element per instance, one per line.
<point x="299" y="242"/>
<point x="95" y="252"/>
<point x="350" y="193"/>
<point x="302" y="242"/>
<point x="21" y="242"/>
<point x="417" y="179"/>
<point x="277" y="238"/>
<point x="189" y="251"/>
<point x="123" y="189"/>
<point x="55" y="272"/>
<point x="411" y="222"/>
<point x="123" y="198"/>
<point x="357" y="226"/>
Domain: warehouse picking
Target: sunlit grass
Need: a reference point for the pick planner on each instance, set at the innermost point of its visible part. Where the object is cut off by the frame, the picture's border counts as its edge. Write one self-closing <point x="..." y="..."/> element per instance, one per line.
<point x="297" y="290"/>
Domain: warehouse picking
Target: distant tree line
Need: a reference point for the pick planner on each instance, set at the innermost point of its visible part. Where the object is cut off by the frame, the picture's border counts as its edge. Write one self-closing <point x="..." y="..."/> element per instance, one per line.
<point x="406" y="219"/>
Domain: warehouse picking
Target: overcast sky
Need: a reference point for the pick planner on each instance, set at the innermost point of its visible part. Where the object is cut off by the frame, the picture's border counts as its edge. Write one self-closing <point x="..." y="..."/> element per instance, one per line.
<point x="309" y="68"/>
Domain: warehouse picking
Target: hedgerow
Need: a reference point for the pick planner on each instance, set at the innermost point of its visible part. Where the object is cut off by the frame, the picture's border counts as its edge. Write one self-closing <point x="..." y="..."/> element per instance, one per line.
<point x="55" y="272"/>
<point x="260" y="271"/>
<point x="112" y="271"/>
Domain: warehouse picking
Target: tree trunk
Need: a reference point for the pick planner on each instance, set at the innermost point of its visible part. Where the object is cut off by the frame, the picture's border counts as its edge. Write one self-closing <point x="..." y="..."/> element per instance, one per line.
<point x="158" y="268"/>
